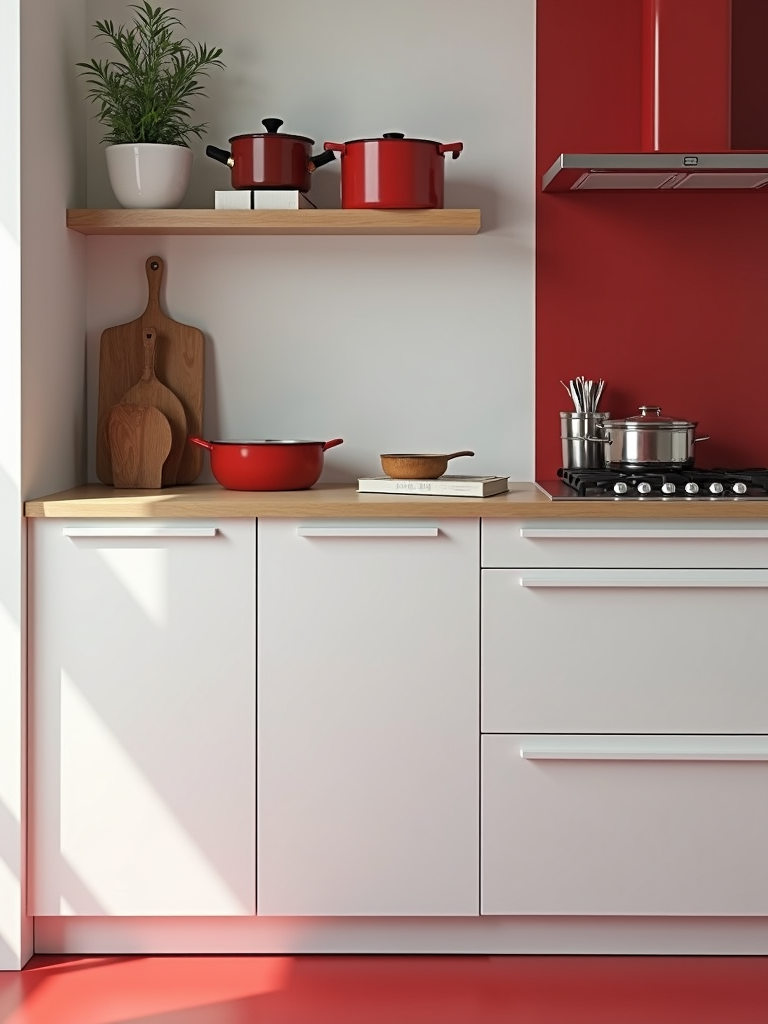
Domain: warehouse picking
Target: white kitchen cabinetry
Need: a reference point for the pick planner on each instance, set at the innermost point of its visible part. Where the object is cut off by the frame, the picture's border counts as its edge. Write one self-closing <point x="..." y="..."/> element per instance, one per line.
<point x="142" y="711"/>
<point x="624" y="650"/>
<point x="624" y="707"/>
<point x="368" y="763"/>
<point x="649" y="825"/>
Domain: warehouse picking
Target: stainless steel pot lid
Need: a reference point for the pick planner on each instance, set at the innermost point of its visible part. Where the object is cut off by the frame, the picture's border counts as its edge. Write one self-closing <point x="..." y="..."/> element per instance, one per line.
<point x="650" y="418"/>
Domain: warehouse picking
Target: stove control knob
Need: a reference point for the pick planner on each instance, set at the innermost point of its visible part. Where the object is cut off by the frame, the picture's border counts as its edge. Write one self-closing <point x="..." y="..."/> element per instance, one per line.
<point x="739" y="487"/>
<point x="667" y="487"/>
<point x="643" y="487"/>
<point x="691" y="488"/>
<point x="620" y="487"/>
<point x="716" y="487"/>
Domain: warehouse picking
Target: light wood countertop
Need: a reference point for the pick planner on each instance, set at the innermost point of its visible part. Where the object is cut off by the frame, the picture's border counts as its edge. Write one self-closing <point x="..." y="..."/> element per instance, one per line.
<point x="326" y="501"/>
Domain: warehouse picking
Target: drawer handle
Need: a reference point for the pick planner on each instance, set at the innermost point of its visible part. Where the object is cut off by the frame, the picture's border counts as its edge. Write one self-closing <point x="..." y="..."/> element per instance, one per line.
<point x="367" y="531"/>
<point x="575" y="533"/>
<point x="714" y="580"/>
<point x="140" y="531"/>
<point x="604" y="754"/>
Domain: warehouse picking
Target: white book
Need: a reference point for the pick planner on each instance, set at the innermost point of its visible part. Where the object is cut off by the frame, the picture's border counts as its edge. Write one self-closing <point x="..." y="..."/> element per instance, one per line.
<point x="447" y="485"/>
<point x="261" y="199"/>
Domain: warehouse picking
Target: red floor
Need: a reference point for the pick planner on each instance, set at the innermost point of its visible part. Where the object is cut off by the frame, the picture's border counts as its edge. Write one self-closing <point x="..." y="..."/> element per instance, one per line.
<point x="386" y="990"/>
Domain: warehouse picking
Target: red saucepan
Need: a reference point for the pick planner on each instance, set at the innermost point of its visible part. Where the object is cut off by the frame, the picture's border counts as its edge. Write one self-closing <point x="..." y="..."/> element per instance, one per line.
<point x="393" y="173"/>
<point x="270" y="159"/>
<point x="266" y="465"/>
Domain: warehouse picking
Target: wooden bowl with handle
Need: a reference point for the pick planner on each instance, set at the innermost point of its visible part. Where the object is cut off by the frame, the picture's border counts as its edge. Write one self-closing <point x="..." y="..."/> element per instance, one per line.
<point x="417" y="467"/>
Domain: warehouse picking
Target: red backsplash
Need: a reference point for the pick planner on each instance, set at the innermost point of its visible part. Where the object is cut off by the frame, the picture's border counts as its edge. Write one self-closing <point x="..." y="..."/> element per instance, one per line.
<point x="665" y="295"/>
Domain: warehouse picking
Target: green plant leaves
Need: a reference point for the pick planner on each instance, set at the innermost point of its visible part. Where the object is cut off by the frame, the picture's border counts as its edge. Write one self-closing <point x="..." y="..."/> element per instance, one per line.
<point x="143" y="95"/>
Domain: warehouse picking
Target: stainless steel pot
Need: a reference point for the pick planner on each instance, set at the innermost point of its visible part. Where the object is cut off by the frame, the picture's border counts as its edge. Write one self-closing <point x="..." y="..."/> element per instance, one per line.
<point x="649" y="441"/>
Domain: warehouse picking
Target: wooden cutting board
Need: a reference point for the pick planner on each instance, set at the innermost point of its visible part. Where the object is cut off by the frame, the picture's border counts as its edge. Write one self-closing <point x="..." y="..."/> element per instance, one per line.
<point x="139" y="443"/>
<point x="149" y="391"/>
<point x="179" y="364"/>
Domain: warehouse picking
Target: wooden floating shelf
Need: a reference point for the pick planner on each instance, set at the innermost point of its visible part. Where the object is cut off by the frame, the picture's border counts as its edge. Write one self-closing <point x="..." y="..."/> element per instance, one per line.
<point x="274" y="222"/>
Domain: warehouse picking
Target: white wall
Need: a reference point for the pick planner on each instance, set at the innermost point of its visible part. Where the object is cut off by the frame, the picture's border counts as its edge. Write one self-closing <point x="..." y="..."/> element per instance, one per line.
<point x="42" y="392"/>
<point x="392" y="343"/>
<point x="53" y="258"/>
<point x="15" y="935"/>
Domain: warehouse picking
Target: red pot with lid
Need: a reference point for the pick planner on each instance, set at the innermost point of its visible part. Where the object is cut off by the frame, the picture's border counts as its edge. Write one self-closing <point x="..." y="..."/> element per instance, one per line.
<point x="271" y="159"/>
<point x="393" y="172"/>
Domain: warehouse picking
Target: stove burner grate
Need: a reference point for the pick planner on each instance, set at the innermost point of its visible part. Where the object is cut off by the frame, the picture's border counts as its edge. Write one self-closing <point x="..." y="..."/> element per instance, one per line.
<point x="667" y="483"/>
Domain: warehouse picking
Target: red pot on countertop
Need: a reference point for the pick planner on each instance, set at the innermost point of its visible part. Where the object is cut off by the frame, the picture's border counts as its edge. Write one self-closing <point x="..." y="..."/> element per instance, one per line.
<point x="270" y="159"/>
<point x="266" y="465"/>
<point x="393" y="172"/>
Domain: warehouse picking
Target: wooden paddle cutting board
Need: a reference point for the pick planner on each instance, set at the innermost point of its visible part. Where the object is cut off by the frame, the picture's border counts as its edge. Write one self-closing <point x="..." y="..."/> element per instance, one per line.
<point x="139" y="441"/>
<point x="179" y="364"/>
<point x="149" y="391"/>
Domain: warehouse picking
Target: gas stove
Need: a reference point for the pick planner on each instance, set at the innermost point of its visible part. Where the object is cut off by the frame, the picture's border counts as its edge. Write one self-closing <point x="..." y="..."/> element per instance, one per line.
<point x="643" y="485"/>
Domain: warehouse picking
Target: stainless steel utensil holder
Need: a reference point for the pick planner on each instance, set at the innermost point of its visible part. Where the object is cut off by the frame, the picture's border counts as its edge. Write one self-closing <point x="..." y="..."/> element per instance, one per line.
<point x="578" y="451"/>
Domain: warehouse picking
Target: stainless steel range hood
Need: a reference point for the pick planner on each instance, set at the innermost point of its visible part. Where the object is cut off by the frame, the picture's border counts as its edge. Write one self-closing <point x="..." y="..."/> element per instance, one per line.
<point x="649" y="172"/>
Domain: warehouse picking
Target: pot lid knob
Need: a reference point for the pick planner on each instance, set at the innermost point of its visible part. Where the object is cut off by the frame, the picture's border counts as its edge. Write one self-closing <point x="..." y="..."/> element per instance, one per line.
<point x="650" y="414"/>
<point x="272" y="124"/>
<point x="394" y="135"/>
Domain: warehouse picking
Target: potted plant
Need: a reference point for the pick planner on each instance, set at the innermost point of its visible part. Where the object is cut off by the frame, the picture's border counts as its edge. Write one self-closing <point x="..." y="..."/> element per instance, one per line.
<point x="144" y="104"/>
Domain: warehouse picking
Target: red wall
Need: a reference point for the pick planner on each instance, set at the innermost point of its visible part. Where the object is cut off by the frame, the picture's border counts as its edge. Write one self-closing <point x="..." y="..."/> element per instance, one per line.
<point x="665" y="295"/>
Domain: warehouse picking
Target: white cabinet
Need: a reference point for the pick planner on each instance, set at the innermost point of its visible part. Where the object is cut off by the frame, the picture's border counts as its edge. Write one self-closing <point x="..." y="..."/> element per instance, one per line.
<point x="649" y="825"/>
<point x="368" y="764"/>
<point x="624" y="650"/>
<point x="142" y="712"/>
<point x="625" y="713"/>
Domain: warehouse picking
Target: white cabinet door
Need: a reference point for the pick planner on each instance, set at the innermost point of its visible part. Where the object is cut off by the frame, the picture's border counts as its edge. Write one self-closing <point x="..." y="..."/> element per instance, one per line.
<point x="142" y="712"/>
<point x="624" y="650"/>
<point x="652" y="825"/>
<point x="368" y="761"/>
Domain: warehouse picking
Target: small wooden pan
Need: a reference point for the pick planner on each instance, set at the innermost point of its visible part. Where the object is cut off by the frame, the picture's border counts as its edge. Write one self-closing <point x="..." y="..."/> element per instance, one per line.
<point x="417" y="467"/>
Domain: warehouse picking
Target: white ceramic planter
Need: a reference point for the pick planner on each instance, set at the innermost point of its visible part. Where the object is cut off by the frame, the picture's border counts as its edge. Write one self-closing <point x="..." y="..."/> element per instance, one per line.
<point x="149" y="176"/>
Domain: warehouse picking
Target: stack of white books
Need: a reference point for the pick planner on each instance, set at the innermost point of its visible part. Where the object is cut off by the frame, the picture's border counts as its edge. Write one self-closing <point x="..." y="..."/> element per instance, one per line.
<point x="262" y="199"/>
<point x="447" y="485"/>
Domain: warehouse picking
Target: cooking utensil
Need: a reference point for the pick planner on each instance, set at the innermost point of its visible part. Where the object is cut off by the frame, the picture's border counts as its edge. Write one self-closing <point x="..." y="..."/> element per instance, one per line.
<point x="140" y="439"/>
<point x="417" y="467"/>
<point x="649" y="441"/>
<point x="271" y="159"/>
<point x="266" y="465"/>
<point x="179" y="364"/>
<point x="585" y="394"/>
<point x="149" y="391"/>
<point x="393" y="172"/>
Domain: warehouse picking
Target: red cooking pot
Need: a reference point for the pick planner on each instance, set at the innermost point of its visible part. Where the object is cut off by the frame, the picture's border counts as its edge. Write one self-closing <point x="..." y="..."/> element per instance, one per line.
<point x="269" y="159"/>
<point x="266" y="465"/>
<point x="393" y="173"/>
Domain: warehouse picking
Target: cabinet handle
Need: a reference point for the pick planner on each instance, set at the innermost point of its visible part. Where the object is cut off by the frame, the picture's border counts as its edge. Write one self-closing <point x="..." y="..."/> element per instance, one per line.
<point x="574" y="533"/>
<point x="367" y="531"/>
<point x="680" y="578"/>
<point x="606" y="754"/>
<point x="140" y="531"/>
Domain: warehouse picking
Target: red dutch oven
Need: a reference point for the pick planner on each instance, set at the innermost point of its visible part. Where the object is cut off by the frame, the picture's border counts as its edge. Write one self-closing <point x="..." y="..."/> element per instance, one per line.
<point x="270" y="159"/>
<point x="266" y="465"/>
<point x="393" y="173"/>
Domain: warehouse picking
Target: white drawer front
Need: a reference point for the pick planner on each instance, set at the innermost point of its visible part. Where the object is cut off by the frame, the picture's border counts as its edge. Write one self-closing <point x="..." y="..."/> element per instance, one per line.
<point x="560" y="543"/>
<point x="649" y="650"/>
<point x="617" y="825"/>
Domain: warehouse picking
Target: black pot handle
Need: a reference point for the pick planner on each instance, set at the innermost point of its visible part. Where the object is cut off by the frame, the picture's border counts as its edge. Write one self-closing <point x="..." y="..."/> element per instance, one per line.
<point x="320" y="159"/>
<point x="222" y="155"/>
<point x="393" y="135"/>
<point x="272" y="124"/>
